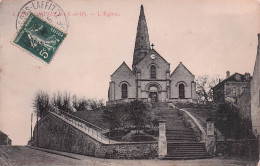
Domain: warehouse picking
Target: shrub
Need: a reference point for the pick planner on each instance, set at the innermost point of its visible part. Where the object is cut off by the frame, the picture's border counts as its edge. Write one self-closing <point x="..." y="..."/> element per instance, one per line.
<point x="228" y="120"/>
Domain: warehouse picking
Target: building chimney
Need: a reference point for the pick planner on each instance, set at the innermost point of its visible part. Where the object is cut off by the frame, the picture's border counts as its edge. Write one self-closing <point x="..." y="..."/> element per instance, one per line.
<point x="228" y="74"/>
<point x="247" y="76"/>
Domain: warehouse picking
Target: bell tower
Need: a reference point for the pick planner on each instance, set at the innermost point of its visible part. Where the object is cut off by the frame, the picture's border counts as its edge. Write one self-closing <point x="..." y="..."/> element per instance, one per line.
<point x="142" y="43"/>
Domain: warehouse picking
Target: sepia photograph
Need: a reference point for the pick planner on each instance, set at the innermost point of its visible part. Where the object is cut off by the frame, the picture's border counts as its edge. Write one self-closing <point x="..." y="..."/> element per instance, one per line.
<point x="133" y="82"/>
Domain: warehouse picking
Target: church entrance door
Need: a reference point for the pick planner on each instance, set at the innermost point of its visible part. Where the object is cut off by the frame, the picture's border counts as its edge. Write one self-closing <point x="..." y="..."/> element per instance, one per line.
<point x="153" y="96"/>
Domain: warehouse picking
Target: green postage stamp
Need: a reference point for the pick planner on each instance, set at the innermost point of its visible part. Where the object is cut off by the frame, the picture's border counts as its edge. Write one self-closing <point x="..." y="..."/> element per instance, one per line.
<point x="39" y="38"/>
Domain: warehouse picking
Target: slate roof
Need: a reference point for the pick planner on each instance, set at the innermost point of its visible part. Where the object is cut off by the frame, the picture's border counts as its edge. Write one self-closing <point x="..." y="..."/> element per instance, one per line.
<point x="233" y="79"/>
<point x="121" y="66"/>
<point x="181" y="64"/>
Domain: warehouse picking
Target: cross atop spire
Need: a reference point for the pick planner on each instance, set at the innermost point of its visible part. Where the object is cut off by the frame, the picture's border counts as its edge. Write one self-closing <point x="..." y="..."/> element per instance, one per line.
<point x="152" y="45"/>
<point x="142" y="43"/>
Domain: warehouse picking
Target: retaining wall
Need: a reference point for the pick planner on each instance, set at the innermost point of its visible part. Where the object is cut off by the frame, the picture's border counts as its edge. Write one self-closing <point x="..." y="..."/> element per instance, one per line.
<point x="58" y="135"/>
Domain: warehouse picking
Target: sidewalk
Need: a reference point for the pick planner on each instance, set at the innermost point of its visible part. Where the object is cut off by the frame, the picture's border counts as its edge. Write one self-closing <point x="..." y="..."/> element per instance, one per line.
<point x="65" y="154"/>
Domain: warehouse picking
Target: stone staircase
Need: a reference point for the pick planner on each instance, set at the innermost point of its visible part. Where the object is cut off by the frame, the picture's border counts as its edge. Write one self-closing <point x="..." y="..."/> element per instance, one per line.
<point x="181" y="141"/>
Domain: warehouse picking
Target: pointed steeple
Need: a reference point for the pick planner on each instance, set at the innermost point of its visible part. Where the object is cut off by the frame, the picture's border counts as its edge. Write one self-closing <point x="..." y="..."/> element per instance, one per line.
<point x="142" y="43"/>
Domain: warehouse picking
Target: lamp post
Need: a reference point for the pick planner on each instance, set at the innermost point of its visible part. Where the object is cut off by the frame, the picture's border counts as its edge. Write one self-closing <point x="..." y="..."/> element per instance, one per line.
<point x="31" y="124"/>
<point x="37" y="112"/>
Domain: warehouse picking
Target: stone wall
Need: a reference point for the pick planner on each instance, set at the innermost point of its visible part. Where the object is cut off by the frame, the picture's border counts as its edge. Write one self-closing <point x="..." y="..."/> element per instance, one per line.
<point x="58" y="135"/>
<point x="255" y="93"/>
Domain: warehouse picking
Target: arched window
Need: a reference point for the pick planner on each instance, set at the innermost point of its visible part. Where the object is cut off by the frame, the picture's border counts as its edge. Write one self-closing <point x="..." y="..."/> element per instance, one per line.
<point x="153" y="72"/>
<point x="124" y="91"/>
<point x="181" y="91"/>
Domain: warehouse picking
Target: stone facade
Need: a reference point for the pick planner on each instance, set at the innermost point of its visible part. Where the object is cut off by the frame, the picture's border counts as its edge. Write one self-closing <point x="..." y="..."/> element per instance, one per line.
<point x="150" y="78"/>
<point x="255" y="93"/>
<point x="181" y="75"/>
<point x="58" y="135"/>
<point x="231" y="88"/>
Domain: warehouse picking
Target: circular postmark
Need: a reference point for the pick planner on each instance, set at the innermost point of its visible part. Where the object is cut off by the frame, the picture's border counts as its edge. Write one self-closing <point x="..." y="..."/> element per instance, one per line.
<point x="47" y="10"/>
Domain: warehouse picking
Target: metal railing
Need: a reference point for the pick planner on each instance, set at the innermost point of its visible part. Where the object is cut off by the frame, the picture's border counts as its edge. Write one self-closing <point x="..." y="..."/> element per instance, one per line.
<point x="89" y="128"/>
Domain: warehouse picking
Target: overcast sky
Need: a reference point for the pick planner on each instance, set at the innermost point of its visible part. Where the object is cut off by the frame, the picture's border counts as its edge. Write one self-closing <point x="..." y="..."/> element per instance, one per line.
<point x="209" y="37"/>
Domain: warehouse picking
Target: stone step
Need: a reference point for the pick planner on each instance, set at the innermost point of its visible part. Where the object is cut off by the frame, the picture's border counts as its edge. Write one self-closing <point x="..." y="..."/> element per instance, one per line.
<point x="180" y="135"/>
<point x="186" y="150"/>
<point x="186" y="157"/>
<point x="180" y="138"/>
<point x="171" y="144"/>
<point x="187" y="144"/>
<point x="186" y="131"/>
<point x="191" y="153"/>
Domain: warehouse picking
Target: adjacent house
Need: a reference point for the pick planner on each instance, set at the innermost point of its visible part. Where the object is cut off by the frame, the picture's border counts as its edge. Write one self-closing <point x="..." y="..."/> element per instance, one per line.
<point x="4" y="139"/>
<point x="232" y="87"/>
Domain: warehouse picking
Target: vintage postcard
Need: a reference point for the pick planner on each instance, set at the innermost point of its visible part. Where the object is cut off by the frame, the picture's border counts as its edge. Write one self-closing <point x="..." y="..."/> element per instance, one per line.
<point x="134" y="82"/>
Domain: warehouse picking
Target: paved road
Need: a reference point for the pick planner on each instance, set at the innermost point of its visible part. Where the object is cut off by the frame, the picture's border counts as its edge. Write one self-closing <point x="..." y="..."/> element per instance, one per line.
<point x="20" y="155"/>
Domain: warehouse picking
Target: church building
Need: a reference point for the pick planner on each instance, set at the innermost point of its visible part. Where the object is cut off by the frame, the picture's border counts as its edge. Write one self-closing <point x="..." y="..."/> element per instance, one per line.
<point x="150" y="78"/>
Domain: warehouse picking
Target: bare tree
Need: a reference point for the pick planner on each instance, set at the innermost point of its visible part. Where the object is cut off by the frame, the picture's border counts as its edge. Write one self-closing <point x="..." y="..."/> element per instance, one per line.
<point x="41" y="103"/>
<point x="75" y="101"/>
<point x="62" y="101"/>
<point x="66" y="102"/>
<point x="205" y="86"/>
<point x="57" y="100"/>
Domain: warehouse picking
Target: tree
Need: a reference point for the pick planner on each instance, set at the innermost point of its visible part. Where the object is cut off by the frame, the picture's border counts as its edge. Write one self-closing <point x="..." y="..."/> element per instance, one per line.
<point x="123" y="115"/>
<point x="57" y="100"/>
<point x="94" y="103"/>
<point x="113" y="115"/>
<point x="66" y="102"/>
<point x="138" y="113"/>
<point x="229" y="121"/>
<point x="75" y="102"/>
<point x="41" y="103"/>
<point x="62" y="101"/>
<point x="205" y="86"/>
<point x="83" y="105"/>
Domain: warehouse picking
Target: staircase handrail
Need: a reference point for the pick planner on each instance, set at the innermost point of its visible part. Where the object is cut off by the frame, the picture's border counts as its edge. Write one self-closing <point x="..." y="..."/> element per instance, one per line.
<point x="59" y="112"/>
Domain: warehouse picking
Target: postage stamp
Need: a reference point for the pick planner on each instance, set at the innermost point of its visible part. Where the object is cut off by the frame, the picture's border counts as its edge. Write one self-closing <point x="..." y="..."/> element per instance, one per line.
<point x="45" y="9"/>
<point x="39" y="38"/>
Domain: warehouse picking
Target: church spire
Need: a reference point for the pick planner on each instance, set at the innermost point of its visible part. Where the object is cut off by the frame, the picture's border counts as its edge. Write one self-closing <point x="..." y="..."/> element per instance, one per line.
<point x="142" y="43"/>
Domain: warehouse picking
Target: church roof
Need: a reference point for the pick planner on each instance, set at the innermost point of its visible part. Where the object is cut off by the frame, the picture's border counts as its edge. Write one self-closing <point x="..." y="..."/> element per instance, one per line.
<point x="181" y="65"/>
<point x="123" y="64"/>
<point x="150" y="52"/>
<point x="1" y="133"/>
<point x="142" y="43"/>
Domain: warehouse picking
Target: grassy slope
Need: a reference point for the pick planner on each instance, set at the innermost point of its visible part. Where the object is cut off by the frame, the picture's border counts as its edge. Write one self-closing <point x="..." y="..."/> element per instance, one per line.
<point x="92" y="116"/>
